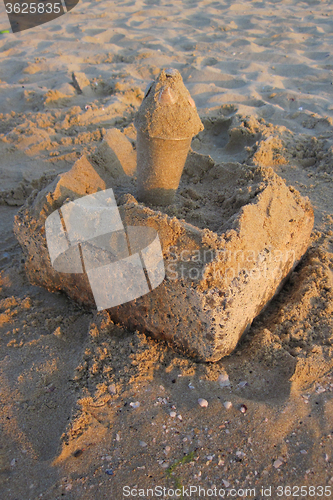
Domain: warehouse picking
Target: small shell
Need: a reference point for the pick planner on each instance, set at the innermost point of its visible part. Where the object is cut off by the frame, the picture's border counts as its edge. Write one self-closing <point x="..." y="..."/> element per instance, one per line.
<point x="167" y="96"/>
<point x="112" y="389"/>
<point x="171" y="72"/>
<point x="223" y="380"/>
<point x="191" y="102"/>
<point x="203" y="402"/>
<point x="278" y="463"/>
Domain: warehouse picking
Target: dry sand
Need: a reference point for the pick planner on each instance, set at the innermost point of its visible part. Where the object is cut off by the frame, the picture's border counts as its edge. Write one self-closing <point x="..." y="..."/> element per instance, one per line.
<point x="261" y="76"/>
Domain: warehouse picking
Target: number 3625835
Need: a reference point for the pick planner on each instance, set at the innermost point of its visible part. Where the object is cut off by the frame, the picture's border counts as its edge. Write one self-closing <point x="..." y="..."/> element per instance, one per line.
<point x="33" y="8"/>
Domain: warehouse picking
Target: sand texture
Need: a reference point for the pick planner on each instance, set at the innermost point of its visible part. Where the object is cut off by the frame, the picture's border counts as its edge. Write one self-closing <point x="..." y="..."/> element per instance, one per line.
<point x="88" y="406"/>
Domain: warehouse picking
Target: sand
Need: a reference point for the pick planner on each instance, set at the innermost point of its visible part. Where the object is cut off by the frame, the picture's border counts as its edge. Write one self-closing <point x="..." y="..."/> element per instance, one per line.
<point x="260" y="74"/>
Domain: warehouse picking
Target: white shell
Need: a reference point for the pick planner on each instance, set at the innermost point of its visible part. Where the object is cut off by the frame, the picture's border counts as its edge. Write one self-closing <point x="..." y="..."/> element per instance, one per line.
<point x="191" y="102"/>
<point x="112" y="389"/>
<point x="171" y="72"/>
<point x="223" y="380"/>
<point x="167" y="96"/>
<point x="203" y="402"/>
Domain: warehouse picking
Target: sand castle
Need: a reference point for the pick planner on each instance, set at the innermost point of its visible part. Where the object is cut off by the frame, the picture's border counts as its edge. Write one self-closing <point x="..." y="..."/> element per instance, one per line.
<point x="217" y="278"/>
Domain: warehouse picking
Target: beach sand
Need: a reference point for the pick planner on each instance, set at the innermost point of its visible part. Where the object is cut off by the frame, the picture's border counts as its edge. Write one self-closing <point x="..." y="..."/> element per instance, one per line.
<point x="261" y="76"/>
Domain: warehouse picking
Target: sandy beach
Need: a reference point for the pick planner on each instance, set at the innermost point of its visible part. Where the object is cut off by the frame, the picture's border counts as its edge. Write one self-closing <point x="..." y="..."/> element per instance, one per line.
<point x="91" y="410"/>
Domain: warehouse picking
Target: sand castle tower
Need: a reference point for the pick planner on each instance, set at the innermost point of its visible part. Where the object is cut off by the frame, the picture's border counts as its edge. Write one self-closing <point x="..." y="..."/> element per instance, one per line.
<point x="166" y="122"/>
